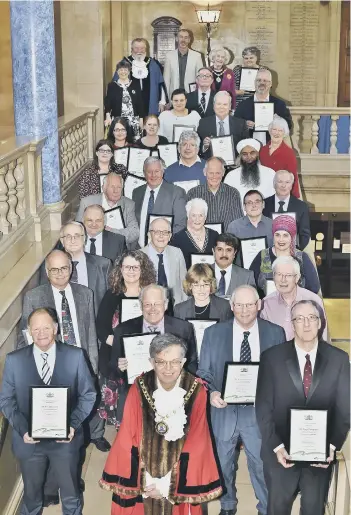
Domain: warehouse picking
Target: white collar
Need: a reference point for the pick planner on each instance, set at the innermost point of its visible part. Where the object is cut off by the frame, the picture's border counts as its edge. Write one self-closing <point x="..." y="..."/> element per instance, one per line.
<point x="170" y="409"/>
<point x="302" y="353"/>
<point x="50" y="352"/>
<point x="241" y="329"/>
<point x="224" y="120"/>
<point x="181" y="162"/>
<point x="156" y="190"/>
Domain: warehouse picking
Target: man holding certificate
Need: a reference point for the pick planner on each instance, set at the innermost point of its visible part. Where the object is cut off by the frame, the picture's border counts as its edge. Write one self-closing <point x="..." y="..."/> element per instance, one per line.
<point x="303" y="412"/>
<point x="47" y="392"/>
<point x="238" y="344"/>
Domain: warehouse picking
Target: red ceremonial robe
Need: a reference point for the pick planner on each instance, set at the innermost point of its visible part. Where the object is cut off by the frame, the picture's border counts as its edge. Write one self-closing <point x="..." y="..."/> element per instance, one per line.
<point x="139" y="448"/>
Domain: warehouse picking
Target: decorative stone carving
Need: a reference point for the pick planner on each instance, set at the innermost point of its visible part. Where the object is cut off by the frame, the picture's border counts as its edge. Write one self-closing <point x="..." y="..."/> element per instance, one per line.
<point x="165" y="31"/>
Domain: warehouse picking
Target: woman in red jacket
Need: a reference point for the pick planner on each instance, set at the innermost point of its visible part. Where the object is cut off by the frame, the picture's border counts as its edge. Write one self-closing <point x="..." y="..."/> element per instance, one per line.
<point x="277" y="154"/>
<point x="223" y="77"/>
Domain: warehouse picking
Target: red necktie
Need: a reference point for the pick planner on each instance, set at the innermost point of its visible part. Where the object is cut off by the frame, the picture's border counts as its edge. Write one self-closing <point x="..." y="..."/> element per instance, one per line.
<point x="307" y="375"/>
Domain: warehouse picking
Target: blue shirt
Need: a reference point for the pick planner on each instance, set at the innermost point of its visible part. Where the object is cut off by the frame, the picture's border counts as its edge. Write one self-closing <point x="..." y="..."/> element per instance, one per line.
<point x="243" y="228"/>
<point x="178" y="172"/>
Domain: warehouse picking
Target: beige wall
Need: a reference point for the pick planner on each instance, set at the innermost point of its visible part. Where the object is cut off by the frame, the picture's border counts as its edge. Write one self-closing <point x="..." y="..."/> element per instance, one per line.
<point x="6" y="98"/>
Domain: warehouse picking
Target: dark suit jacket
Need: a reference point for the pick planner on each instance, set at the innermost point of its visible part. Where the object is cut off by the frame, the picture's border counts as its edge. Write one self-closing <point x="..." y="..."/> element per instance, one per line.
<point x="279" y="387"/>
<point x="302" y="217"/>
<point x="239" y="277"/>
<point x="174" y="326"/>
<point x="192" y="103"/>
<point x="113" y="245"/>
<point x="113" y="99"/>
<point x="207" y="128"/>
<point x="216" y="349"/>
<point x="20" y="373"/>
<point x="42" y="296"/>
<point x="219" y="308"/>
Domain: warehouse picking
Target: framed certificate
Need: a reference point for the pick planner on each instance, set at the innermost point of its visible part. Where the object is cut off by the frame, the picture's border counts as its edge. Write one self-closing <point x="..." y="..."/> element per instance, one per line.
<point x="264" y="112"/>
<point x="199" y="329"/>
<point x="102" y="178"/>
<point x="169" y="153"/>
<point x="308" y="435"/>
<point x="270" y="287"/>
<point x="151" y="217"/>
<point x="136" y="160"/>
<point x="130" y="308"/>
<point x="223" y="146"/>
<point x="261" y="137"/>
<point x="250" y="247"/>
<point x="49" y="412"/>
<point x="136" y="350"/>
<point x="121" y="156"/>
<point x="187" y="185"/>
<point x="192" y="87"/>
<point x="178" y="129"/>
<point x="247" y="79"/>
<point x="155" y="153"/>
<point x="114" y="218"/>
<point x="132" y="182"/>
<point x="202" y="258"/>
<point x="239" y="382"/>
<point x="216" y="227"/>
<point x="287" y="213"/>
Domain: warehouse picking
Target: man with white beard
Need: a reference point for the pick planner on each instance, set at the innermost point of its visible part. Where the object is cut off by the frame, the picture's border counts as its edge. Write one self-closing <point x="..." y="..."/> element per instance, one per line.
<point x="149" y="72"/>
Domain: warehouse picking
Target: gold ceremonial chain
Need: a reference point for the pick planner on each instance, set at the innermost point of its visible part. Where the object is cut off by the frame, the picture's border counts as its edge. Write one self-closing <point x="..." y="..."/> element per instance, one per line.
<point x="218" y="75"/>
<point x="161" y="427"/>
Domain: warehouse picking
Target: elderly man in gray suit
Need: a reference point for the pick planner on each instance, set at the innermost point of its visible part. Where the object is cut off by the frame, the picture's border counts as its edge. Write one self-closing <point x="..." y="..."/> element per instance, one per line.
<point x="114" y="205"/>
<point x="168" y="261"/>
<point x="158" y="197"/>
<point x="228" y="275"/>
<point x="242" y="340"/>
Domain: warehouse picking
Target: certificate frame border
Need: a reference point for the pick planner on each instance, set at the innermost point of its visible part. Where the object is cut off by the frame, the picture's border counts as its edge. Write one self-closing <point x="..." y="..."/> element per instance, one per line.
<point x="137" y="149"/>
<point x="247" y="68"/>
<point x="173" y="143"/>
<point x="307" y="408"/>
<point x="218" y="223"/>
<point x="68" y="408"/>
<point x="147" y="224"/>
<point x="132" y="335"/>
<point x="261" y="130"/>
<point x="134" y="177"/>
<point x="192" y="84"/>
<point x="233" y="146"/>
<point x="121" y="307"/>
<point x="192" y="319"/>
<point x="121" y="213"/>
<point x="121" y="148"/>
<point x="201" y="254"/>
<point x="249" y="239"/>
<point x="224" y="382"/>
<point x="188" y="127"/>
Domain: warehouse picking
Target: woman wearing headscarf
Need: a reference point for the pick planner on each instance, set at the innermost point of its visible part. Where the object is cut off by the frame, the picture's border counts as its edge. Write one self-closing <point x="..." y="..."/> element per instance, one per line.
<point x="284" y="244"/>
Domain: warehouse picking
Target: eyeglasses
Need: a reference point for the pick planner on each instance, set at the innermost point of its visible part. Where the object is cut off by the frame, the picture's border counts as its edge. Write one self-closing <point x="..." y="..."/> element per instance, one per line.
<point x="175" y="363"/>
<point x="131" y="268"/>
<point x="119" y="130"/>
<point x="103" y="151"/>
<point x="161" y="233"/>
<point x="44" y="330"/>
<point x="62" y="270"/>
<point x="278" y="275"/>
<point x="253" y="202"/>
<point x="249" y="305"/>
<point x="300" y="319"/>
<point x="149" y="305"/>
<point x="198" y="286"/>
<point x="208" y="76"/>
<point x="71" y="237"/>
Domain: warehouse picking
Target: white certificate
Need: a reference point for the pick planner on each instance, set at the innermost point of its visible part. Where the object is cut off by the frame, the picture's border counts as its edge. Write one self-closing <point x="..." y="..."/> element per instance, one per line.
<point x="132" y="182"/>
<point x="130" y="308"/>
<point x="247" y="79"/>
<point x="178" y="129"/>
<point x="136" y="350"/>
<point x="270" y="287"/>
<point x="102" y="178"/>
<point x="261" y="137"/>
<point x="202" y="258"/>
<point x="286" y="213"/>
<point x="49" y="412"/>
<point x="250" y="248"/>
<point x="308" y="435"/>
<point x="199" y="328"/>
<point x="114" y="218"/>
<point x="121" y="156"/>
<point x="264" y="112"/>
<point x="239" y="383"/>
<point x="168" y="153"/>
<point x="187" y="185"/>
<point x="216" y="227"/>
<point x="136" y="160"/>
<point x="224" y="147"/>
<point x="192" y="86"/>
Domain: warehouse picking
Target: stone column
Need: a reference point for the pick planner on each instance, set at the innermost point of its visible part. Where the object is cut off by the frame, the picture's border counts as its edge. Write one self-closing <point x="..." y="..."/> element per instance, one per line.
<point x="34" y="85"/>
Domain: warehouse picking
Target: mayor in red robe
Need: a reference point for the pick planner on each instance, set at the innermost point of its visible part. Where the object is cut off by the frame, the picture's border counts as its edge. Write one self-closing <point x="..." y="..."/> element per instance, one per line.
<point x="144" y="450"/>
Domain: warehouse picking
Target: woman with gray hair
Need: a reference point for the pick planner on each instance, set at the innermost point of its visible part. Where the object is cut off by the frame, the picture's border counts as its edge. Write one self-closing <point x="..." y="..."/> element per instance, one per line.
<point x="195" y="238"/>
<point x="188" y="172"/>
<point x="277" y="154"/>
<point x="251" y="58"/>
<point x="224" y="79"/>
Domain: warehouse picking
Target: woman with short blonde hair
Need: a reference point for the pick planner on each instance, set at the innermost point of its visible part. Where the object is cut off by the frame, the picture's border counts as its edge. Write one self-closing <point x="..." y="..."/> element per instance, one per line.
<point x="223" y="77"/>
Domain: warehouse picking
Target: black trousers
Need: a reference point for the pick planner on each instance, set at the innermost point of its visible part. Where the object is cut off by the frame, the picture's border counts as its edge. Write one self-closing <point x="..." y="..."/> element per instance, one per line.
<point x="284" y="485"/>
<point x="64" y="462"/>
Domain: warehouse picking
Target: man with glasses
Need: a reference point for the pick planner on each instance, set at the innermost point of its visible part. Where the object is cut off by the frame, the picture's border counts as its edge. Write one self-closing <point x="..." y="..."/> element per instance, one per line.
<point x="201" y="100"/>
<point x="168" y="261"/>
<point x="309" y="373"/>
<point x="277" y="305"/>
<point x="189" y="170"/>
<point x="242" y="341"/>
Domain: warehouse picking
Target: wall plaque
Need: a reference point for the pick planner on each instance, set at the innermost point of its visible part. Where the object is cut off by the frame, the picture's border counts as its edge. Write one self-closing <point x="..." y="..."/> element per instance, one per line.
<point x="165" y="31"/>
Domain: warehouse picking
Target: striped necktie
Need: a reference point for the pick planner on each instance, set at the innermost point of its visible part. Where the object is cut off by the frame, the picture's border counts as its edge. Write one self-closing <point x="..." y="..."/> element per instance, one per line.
<point x="150" y="205"/>
<point x="45" y="369"/>
<point x="245" y="350"/>
<point x="221" y="128"/>
<point x="68" y="335"/>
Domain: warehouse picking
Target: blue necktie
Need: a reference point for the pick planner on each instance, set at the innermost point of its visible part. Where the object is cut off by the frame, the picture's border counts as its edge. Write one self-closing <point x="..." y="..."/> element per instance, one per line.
<point x="161" y="274"/>
<point x="151" y="203"/>
<point x="221" y="285"/>
<point x="245" y="350"/>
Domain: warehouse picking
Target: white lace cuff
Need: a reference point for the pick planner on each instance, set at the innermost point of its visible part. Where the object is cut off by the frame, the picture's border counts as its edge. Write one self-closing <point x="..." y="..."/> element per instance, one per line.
<point x="162" y="484"/>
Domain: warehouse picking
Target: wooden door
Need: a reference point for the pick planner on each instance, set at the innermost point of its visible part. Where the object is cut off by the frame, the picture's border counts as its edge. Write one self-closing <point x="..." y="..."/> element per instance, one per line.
<point x="344" y="66"/>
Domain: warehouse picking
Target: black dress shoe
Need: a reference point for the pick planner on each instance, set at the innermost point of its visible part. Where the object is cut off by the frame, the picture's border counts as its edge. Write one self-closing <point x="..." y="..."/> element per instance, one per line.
<point x="51" y="500"/>
<point x="81" y="485"/>
<point x="101" y="444"/>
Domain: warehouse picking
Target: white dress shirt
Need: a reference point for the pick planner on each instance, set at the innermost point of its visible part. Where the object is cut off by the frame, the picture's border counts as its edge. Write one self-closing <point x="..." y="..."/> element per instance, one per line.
<point x="301" y="356"/>
<point x="153" y="255"/>
<point x="143" y="214"/>
<point x="254" y="341"/>
<point x="81" y="268"/>
<point x="233" y="178"/>
<point x="98" y="244"/>
<point x="72" y="308"/>
<point x="227" y="276"/>
<point x="207" y="97"/>
<point x="37" y="353"/>
<point x="226" y="125"/>
<point x="277" y="200"/>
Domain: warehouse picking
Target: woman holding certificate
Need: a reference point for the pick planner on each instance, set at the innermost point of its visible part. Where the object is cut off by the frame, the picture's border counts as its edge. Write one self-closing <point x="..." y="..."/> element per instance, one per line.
<point x="284" y="244"/>
<point x="178" y="116"/>
<point x="224" y="79"/>
<point x="245" y="74"/>
<point x="152" y="139"/>
<point x="131" y="272"/>
<point x="195" y="238"/>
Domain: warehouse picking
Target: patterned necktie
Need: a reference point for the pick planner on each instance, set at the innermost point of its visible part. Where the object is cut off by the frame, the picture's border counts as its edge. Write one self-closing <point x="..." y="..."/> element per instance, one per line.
<point x="221" y="284"/>
<point x="307" y="375"/>
<point x="152" y="328"/>
<point x="203" y="102"/>
<point x="161" y="273"/>
<point x="92" y="246"/>
<point x="74" y="276"/>
<point x="245" y="350"/>
<point x="67" y="324"/>
<point x="281" y="205"/>
<point x="221" y="128"/>
<point x="45" y="369"/>
<point x="150" y="206"/>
